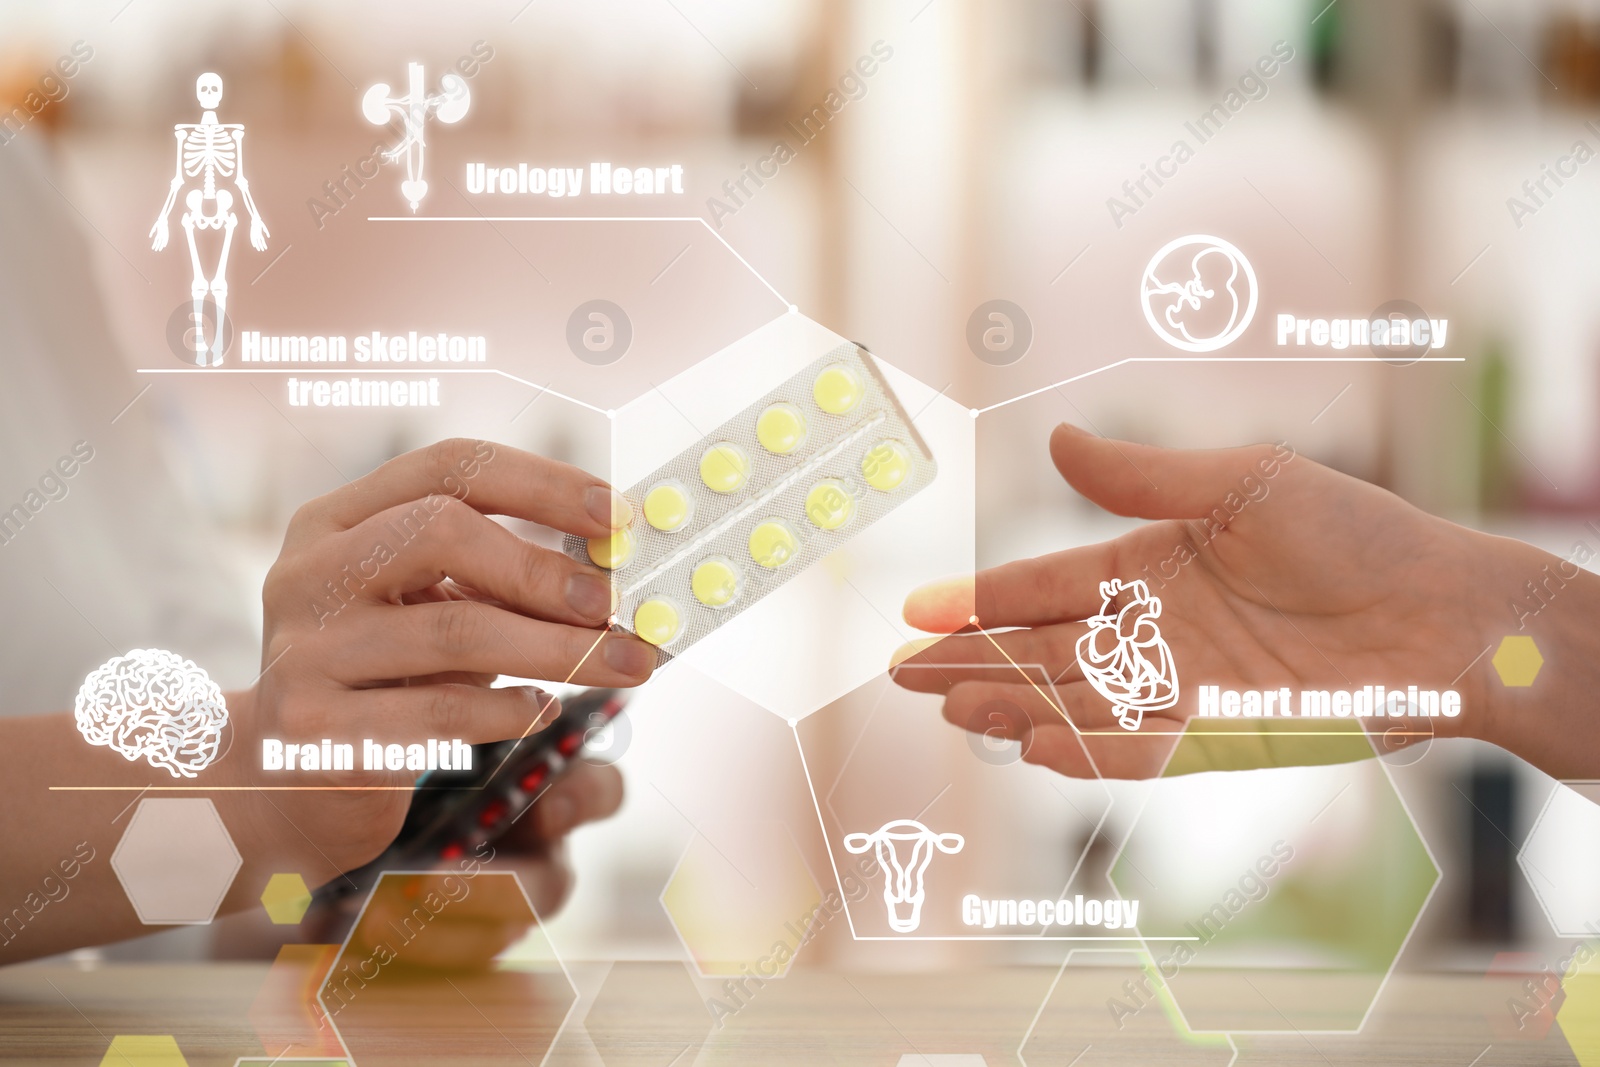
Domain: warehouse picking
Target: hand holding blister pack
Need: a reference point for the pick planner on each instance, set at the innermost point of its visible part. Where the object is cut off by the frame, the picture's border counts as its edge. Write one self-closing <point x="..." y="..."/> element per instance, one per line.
<point x="760" y="498"/>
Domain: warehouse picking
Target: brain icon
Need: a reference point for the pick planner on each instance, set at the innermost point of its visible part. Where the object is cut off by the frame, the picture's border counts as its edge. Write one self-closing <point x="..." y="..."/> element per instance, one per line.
<point x="153" y="704"/>
<point x="1199" y="293"/>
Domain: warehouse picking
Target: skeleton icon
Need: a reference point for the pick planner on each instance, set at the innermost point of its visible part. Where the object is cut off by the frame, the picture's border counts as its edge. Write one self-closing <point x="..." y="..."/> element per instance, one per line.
<point x="1124" y="656"/>
<point x="210" y="153"/>
<point x="450" y="105"/>
<point x="903" y="890"/>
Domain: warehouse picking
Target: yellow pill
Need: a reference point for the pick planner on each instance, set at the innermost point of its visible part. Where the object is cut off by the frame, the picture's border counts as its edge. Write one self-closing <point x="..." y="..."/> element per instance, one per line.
<point x="886" y="465"/>
<point x="773" y="543"/>
<point x="724" y="468"/>
<point x="781" y="429"/>
<point x="829" y="504"/>
<point x="657" y="621"/>
<point x="667" y="507"/>
<point x="613" y="551"/>
<point x="715" y="582"/>
<point x="838" y="389"/>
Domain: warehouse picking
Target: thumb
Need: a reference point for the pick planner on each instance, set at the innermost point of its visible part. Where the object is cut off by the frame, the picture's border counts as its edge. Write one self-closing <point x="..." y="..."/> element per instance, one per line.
<point x="1147" y="482"/>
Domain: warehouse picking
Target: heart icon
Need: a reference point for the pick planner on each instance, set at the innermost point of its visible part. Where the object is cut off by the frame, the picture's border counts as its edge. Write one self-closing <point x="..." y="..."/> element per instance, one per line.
<point x="414" y="189"/>
<point x="1124" y="657"/>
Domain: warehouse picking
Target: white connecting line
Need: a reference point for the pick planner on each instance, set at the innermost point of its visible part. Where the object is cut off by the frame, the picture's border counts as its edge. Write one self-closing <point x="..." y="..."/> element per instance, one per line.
<point x="375" y="370"/>
<point x="787" y="305"/>
<point x="1212" y="359"/>
<point x="589" y="218"/>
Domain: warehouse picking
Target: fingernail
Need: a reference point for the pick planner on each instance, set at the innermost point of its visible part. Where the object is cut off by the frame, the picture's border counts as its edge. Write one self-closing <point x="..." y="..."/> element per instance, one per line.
<point x="589" y="595"/>
<point x="942" y="606"/>
<point x="629" y="655"/>
<point x="549" y="709"/>
<point x="608" y="506"/>
<point x="559" y="814"/>
<point x="1070" y="428"/>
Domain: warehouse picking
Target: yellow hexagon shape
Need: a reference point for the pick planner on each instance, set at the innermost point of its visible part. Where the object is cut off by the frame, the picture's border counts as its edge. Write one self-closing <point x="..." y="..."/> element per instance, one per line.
<point x="1517" y="660"/>
<point x="1579" y="1014"/>
<point x="286" y="899"/>
<point x="143" y="1050"/>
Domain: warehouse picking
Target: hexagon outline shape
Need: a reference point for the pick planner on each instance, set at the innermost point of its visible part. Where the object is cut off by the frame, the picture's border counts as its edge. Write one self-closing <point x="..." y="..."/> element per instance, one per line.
<point x="516" y="880"/>
<point x="789" y="309"/>
<point x="1144" y="953"/>
<point x="1399" y="951"/>
<point x="1055" y="700"/>
<point x="793" y="341"/>
<point x="238" y="861"/>
<point x="661" y="899"/>
<point x="1527" y="874"/>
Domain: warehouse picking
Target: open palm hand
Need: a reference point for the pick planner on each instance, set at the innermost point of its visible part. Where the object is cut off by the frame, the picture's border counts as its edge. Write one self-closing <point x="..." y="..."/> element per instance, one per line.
<point x="1270" y="569"/>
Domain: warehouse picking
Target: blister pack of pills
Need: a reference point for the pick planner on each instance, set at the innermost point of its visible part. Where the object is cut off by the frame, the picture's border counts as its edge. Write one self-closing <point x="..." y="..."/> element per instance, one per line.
<point x="759" y="499"/>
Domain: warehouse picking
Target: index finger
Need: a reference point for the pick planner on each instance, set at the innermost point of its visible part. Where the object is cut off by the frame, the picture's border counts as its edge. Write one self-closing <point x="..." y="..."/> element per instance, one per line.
<point x="1063" y="586"/>
<point x="493" y="479"/>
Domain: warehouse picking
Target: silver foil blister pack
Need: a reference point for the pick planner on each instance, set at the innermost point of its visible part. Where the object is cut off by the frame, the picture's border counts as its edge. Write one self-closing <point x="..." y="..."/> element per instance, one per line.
<point x="759" y="499"/>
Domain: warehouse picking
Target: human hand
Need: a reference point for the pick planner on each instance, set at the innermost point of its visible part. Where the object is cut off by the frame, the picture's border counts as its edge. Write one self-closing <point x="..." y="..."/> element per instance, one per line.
<point x="471" y="932"/>
<point x="159" y="234"/>
<point x="258" y="234"/>
<point x="393" y="604"/>
<point x="1273" y="571"/>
